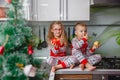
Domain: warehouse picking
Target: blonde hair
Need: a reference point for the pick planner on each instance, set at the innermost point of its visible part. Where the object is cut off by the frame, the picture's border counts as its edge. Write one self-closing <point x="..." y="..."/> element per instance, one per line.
<point x="80" y="24"/>
<point x="50" y="35"/>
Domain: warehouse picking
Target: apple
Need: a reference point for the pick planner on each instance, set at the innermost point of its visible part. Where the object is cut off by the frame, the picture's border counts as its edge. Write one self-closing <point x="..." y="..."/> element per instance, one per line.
<point x="55" y="41"/>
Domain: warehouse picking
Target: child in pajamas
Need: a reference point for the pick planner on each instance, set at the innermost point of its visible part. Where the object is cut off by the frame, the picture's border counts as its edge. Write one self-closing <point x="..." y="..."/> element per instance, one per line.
<point x="57" y="42"/>
<point x="81" y="51"/>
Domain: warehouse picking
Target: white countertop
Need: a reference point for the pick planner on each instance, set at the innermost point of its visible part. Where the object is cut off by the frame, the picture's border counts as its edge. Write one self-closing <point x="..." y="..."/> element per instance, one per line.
<point x="41" y="54"/>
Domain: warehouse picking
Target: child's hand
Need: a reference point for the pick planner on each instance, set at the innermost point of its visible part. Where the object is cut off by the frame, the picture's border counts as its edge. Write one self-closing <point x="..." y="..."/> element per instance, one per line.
<point x="85" y="36"/>
<point x="55" y="42"/>
<point x="96" y="45"/>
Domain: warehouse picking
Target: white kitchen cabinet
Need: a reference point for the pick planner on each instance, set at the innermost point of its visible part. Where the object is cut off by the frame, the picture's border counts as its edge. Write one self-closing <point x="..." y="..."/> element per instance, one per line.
<point x="78" y="10"/>
<point x="48" y="10"/>
<point x="64" y="10"/>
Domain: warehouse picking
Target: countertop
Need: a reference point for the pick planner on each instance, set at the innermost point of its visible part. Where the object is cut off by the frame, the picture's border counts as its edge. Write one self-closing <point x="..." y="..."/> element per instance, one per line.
<point x="77" y="70"/>
<point x="41" y="54"/>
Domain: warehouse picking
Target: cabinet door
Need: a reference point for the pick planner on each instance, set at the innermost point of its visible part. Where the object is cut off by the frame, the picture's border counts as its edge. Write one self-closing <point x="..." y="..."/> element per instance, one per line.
<point x="48" y="10"/>
<point x="77" y="10"/>
<point x="73" y="77"/>
<point x="27" y="9"/>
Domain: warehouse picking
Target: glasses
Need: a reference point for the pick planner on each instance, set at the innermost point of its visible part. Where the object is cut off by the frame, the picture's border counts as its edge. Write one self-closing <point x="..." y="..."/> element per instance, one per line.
<point x="57" y="29"/>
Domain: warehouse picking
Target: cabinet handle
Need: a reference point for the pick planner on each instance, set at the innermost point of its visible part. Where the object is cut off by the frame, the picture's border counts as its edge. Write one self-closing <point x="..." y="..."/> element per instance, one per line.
<point x="75" y="79"/>
<point x="60" y="9"/>
<point x="66" y="9"/>
<point x="31" y="17"/>
<point x="37" y="10"/>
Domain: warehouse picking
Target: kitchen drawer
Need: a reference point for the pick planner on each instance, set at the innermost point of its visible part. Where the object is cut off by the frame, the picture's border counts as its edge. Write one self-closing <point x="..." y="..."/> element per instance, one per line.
<point x="73" y="77"/>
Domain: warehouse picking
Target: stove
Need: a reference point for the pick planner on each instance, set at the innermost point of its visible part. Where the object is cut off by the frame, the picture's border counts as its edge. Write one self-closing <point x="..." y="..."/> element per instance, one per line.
<point x="107" y="69"/>
<point x="109" y="63"/>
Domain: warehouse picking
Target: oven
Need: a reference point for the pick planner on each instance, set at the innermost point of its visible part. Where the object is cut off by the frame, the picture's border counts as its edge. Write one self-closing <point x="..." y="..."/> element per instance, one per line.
<point x="110" y="69"/>
<point x="113" y="77"/>
<point x="106" y="77"/>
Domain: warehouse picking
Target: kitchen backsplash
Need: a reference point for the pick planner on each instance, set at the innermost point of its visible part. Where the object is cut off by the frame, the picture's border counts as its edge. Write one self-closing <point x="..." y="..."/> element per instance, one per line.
<point x="104" y="26"/>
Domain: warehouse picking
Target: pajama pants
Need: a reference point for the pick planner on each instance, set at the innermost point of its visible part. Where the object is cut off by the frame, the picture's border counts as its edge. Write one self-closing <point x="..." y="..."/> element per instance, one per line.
<point x="67" y="60"/>
<point x="92" y="59"/>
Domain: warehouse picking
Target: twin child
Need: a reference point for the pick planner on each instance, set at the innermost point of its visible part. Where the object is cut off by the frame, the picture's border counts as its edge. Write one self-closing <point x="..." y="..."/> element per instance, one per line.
<point x="81" y="53"/>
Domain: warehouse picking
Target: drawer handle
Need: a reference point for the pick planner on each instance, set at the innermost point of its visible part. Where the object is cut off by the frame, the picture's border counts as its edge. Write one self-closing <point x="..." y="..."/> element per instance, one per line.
<point x="75" y="79"/>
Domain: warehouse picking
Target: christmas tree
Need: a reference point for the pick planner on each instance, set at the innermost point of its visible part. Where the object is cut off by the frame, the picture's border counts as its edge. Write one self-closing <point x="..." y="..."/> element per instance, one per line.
<point x="16" y="46"/>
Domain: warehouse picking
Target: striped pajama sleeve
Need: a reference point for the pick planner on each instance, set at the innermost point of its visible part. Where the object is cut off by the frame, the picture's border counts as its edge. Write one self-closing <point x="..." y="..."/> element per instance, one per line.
<point x="89" y="51"/>
<point x="78" y="44"/>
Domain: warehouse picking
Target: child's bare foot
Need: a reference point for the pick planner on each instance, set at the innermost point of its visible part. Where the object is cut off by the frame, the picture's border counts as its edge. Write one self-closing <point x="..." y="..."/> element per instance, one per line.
<point x="90" y="67"/>
<point x="72" y="66"/>
<point x="56" y="67"/>
<point x="53" y="69"/>
<point x="82" y="66"/>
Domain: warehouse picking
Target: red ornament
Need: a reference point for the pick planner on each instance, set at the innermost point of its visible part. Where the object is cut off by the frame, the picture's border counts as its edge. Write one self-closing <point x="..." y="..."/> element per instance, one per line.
<point x="1" y="50"/>
<point x="55" y="41"/>
<point x="8" y="1"/>
<point x="30" y="50"/>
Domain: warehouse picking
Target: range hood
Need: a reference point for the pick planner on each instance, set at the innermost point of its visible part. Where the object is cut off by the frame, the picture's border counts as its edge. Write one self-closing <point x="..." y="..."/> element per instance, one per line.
<point x="105" y="2"/>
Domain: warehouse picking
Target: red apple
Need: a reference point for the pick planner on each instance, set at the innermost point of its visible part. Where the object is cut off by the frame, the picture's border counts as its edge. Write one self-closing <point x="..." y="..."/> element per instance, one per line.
<point x="55" y="41"/>
<point x="1" y="50"/>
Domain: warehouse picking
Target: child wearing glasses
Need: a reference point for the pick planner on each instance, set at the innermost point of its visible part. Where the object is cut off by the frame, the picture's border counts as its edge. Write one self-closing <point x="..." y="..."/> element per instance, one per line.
<point x="57" y="42"/>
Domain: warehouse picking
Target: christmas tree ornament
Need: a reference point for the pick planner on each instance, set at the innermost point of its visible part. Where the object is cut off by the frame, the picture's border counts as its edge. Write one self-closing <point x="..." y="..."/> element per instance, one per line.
<point x="20" y="65"/>
<point x="29" y="70"/>
<point x="8" y="1"/>
<point x="1" y="50"/>
<point x="30" y="50"/>
<point x="2" y="47"/>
